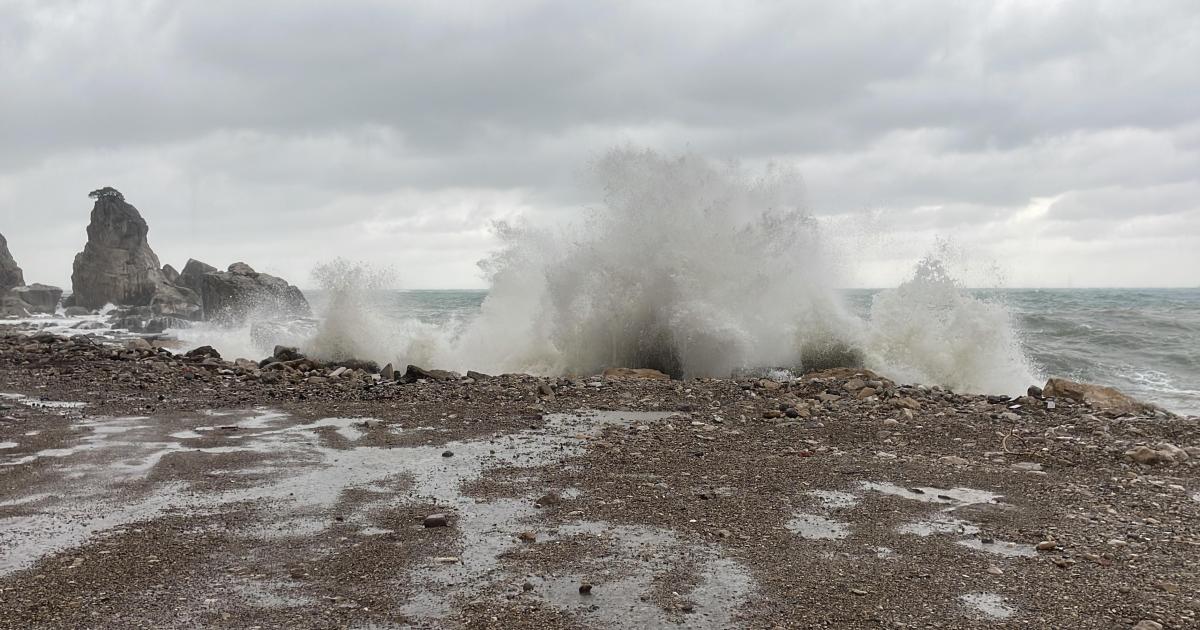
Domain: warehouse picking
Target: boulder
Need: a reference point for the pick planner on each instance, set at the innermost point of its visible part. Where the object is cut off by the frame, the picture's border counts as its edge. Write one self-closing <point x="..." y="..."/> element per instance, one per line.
<point x="641" y="373"/>
<point x="193" y="273"/>
<point x="230" y="296"/>
<point x="1097" y="396"/>
<point x="117" y="265"/>
<point x="10" y="273"/>
<point x="170" y="274"/>
<point x="40" y="298"/>
<point x="12" y="306"/>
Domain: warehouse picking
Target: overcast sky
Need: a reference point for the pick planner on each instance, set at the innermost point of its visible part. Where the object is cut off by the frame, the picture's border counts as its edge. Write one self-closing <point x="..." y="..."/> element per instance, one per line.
<point x="1057" y="141"/>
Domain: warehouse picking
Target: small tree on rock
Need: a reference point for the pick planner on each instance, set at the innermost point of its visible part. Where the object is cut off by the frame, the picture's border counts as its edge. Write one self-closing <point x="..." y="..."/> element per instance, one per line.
<point x="108" y="192"/>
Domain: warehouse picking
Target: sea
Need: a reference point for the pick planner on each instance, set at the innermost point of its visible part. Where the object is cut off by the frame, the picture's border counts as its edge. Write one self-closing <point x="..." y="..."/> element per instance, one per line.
<point x="1145" y="342"/>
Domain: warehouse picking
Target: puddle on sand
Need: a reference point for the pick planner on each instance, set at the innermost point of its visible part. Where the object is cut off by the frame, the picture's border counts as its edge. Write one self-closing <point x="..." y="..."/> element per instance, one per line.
<point x="1000" y="548"/>
<point x="637" y="555"/>
<point x="941" y="524"/>
<point x="43" y="404"/>
<point x="301" y="486"/>
<point x="835" y="499"/>
<point x="955" y="496"/>
<point x="988" y="606"/>
<point x="815" y="527"/>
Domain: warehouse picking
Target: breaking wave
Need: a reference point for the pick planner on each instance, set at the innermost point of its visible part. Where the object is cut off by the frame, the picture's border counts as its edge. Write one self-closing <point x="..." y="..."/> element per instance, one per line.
<point x="692" y="267"/>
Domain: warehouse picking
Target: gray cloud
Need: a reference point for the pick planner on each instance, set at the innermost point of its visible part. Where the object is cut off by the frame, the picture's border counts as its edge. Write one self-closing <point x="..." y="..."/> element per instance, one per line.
<point x="256" y="130"/>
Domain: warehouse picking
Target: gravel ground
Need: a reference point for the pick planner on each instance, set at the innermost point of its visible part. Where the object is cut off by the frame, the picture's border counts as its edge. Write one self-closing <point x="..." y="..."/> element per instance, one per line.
<point x="190" y="492"/>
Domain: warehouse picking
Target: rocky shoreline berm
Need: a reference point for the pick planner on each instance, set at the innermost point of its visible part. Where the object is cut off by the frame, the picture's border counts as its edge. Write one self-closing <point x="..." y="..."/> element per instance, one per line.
<point x="187" y="490"/>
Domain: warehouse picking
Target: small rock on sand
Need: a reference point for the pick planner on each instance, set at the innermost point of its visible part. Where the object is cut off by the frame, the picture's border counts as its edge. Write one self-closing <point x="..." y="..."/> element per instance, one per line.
<point x="436" y="520"/>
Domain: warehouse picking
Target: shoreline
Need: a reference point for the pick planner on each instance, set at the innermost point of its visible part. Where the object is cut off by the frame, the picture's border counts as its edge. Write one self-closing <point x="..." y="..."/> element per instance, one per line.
<point x="700" y="503"/>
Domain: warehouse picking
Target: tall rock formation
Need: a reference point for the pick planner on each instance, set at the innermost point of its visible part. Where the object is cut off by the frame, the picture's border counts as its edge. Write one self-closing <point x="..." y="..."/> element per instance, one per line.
<point x="10" y="273"/>
<point x="117" y="265"/>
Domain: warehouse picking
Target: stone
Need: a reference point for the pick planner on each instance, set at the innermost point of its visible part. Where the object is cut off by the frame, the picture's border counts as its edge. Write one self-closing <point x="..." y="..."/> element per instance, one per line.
<point x="1148" y="456"/>
<point x="1034" y="391"/>
<point x="10" y="274"/>
<point x="635" y="373"/>
<point x="528" y="537"/>
<point x="76" y="311"/>
<point x="477" y="376"/>
<point x="117" y="265"/>
<point x="1096" y="396"/>
<point x="585" y="589"/>
<point x="286" y="353"/>
<point x="1177" y="455"/>
<point x="203" y="352"/>
<point x="436" y="520"/>
<point x="1047" y="545"/>
<point x="1027" y="466"/>
<point x="171" y="274"/>
<point x="12" y="306"/>
<point x="388" y="373"/>
<point x="40" y="298"/>
<point x="413" y="374"/>
<point x="138" y="344"/>
<point x="1147" y="624"/>
<point x="230" y="297"/>
<point x="855" y="384"/>
<point x="954" y="460"/>
<point x="193" y="273"/>
<point x="865" y="392"/>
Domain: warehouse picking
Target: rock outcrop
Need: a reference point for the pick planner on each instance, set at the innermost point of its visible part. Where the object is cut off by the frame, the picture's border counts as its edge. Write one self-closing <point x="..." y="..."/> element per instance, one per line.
<point x="1098" y="396"/>
<point x="117" y="265"/>
<point x="10" y="273"/>
<point x="230" y="296"/>
<point x="192" y="275"/>
<point x="38" y="298"/>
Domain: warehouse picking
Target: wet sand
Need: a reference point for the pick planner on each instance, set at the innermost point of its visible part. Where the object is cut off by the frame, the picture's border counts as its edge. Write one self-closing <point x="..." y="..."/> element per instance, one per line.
<point x="139" y="490"/>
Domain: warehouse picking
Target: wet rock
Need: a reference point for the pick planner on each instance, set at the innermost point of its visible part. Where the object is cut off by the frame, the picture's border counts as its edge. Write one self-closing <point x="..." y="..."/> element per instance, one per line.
<point x="447" y="453"/>
<point x="388" y="373"/>
<point x="477" y="376"/>
<point x="1027" y="466"/>
<point x="286" y="353"/>
<point x="855" y="384"/>
<point x="642" y="373"/>
<point x="138" y="344"/>
<point x="585" y="588"/>
<point x="203" y="352"/>
<point x="436" y="520"/>
<point x="10" y="274"/>
<point x="1147" y="624"/>
<point x="1163" y="453"/>
<point x="1096" y="396"/>
<point x="550" y="498"/>
<point x="39" y="298"/>
<point x="1047" y="545"/>
<point x="1034" y="391"/>
<point x="412" y="374"/>
<point x="231" y="296"/>
<point x="528" y="537"/>
<point x="76" y="311"/>
<point x="954" y="460"/>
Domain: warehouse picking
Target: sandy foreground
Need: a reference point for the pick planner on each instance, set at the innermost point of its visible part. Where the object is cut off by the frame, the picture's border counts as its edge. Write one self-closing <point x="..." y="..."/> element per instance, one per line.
<point x="144" y="490"/>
